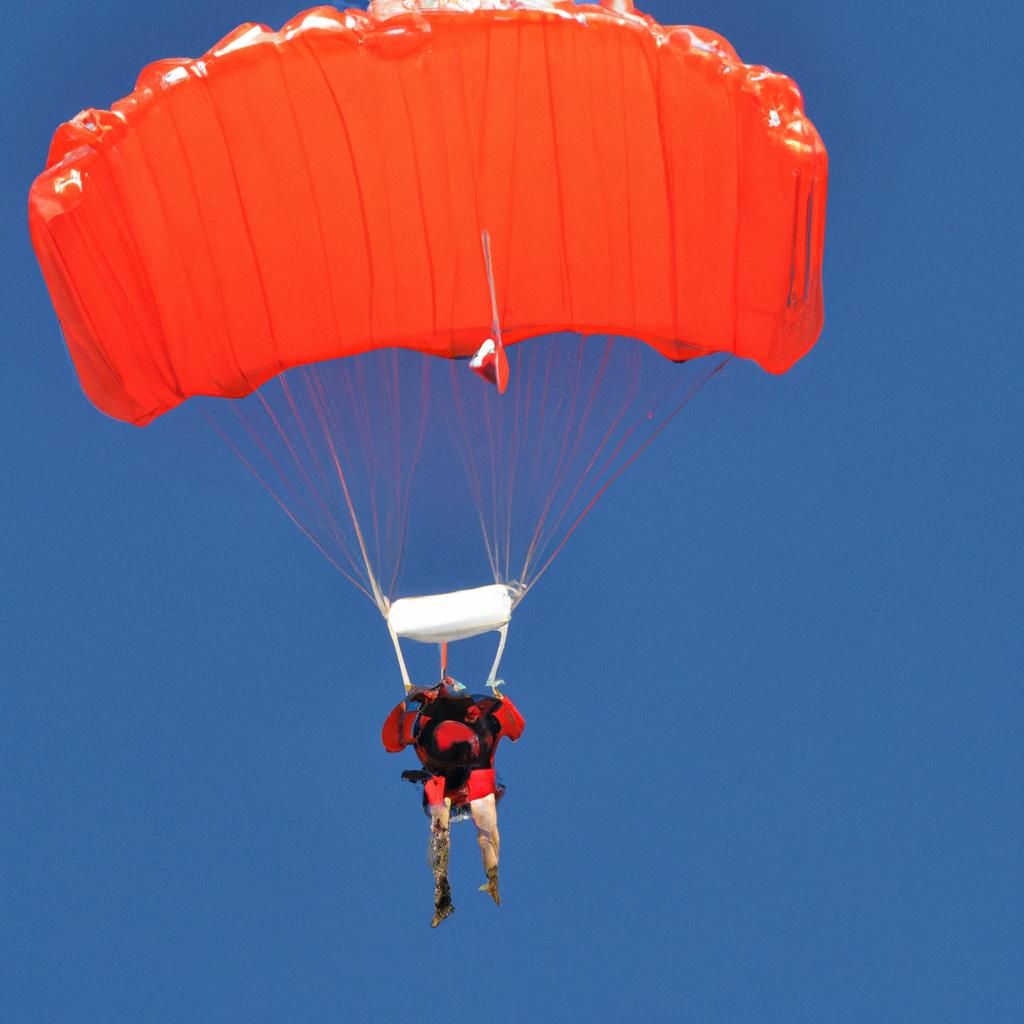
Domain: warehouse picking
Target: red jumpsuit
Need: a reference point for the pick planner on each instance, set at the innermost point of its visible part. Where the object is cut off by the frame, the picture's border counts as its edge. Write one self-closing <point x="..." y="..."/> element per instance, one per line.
<point x="455" y="736"/>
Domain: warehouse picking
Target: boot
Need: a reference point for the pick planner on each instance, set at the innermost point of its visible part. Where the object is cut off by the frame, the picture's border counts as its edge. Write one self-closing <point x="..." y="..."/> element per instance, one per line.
<point x="440" y="843"/>
<point x="443" y="906"/>
<point x="491" y="885"/>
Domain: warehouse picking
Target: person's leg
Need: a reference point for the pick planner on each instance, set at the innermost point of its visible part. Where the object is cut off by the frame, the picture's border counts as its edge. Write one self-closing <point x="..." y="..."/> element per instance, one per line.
<point x="485" y="817"/>
<point x="437" y="855"/>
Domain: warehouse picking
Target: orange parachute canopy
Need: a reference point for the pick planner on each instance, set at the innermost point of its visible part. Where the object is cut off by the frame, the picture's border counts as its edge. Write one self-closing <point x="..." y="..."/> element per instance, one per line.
<point x="301" y="195"/>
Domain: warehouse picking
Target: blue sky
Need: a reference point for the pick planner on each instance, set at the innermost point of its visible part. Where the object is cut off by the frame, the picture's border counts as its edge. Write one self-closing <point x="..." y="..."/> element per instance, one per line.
<point x="772" y="763"/>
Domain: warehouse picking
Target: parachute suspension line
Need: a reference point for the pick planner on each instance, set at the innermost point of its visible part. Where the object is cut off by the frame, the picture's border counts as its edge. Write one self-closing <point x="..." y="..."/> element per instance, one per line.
<point x="560" y="464"/>
<point x="334" y="430"/>
<point x="358" y="390"/>
<point x="237" y="408"/>
<point x="464" y="446"/>
<point x="378" y="596"/>
<point x="287" y="511"/>
<point x="584" y="477"/>
<point x="467" y="444"/>
<point x="512" y="465"/>
<point x="713" y="371"/>
<point x="492" y="424"/>
<point x="490" y="416"/>
<point x="541" y="542"/>
<point x="507" y="466"/>
<point x="539" y="382"/>
<point x="316" y="494"/>
<point x="492" y="419"/>
<point x="374" y="426"/>
<point x="402" y="494"/>
<point x="319" y="495"/>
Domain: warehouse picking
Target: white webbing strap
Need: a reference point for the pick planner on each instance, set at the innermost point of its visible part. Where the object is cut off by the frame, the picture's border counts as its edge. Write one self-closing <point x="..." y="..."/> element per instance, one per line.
<point x="398" y="653"/>
<point x="492" y="681"/>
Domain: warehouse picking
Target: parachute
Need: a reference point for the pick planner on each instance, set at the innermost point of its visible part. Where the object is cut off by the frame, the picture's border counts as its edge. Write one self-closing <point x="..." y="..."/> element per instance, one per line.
<point x="593" y="209"/>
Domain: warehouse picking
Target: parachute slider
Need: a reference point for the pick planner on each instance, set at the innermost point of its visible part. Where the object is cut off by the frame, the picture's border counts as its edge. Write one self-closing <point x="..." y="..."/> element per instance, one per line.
<point x="441" y="618"/>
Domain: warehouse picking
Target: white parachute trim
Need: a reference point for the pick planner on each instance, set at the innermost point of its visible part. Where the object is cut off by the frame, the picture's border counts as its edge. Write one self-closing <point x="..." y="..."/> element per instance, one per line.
<point x="442" y="618"/>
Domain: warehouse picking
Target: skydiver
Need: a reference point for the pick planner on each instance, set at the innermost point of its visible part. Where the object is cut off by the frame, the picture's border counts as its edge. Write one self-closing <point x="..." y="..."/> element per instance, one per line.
<point x="455" y="735"/>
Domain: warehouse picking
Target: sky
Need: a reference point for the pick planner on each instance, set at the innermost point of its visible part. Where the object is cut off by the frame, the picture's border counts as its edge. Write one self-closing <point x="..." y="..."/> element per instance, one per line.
<point x="772" y="766"/>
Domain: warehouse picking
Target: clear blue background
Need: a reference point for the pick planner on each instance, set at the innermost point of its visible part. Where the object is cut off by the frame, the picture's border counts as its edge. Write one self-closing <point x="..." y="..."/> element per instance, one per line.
<point x="794" y="627"/>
